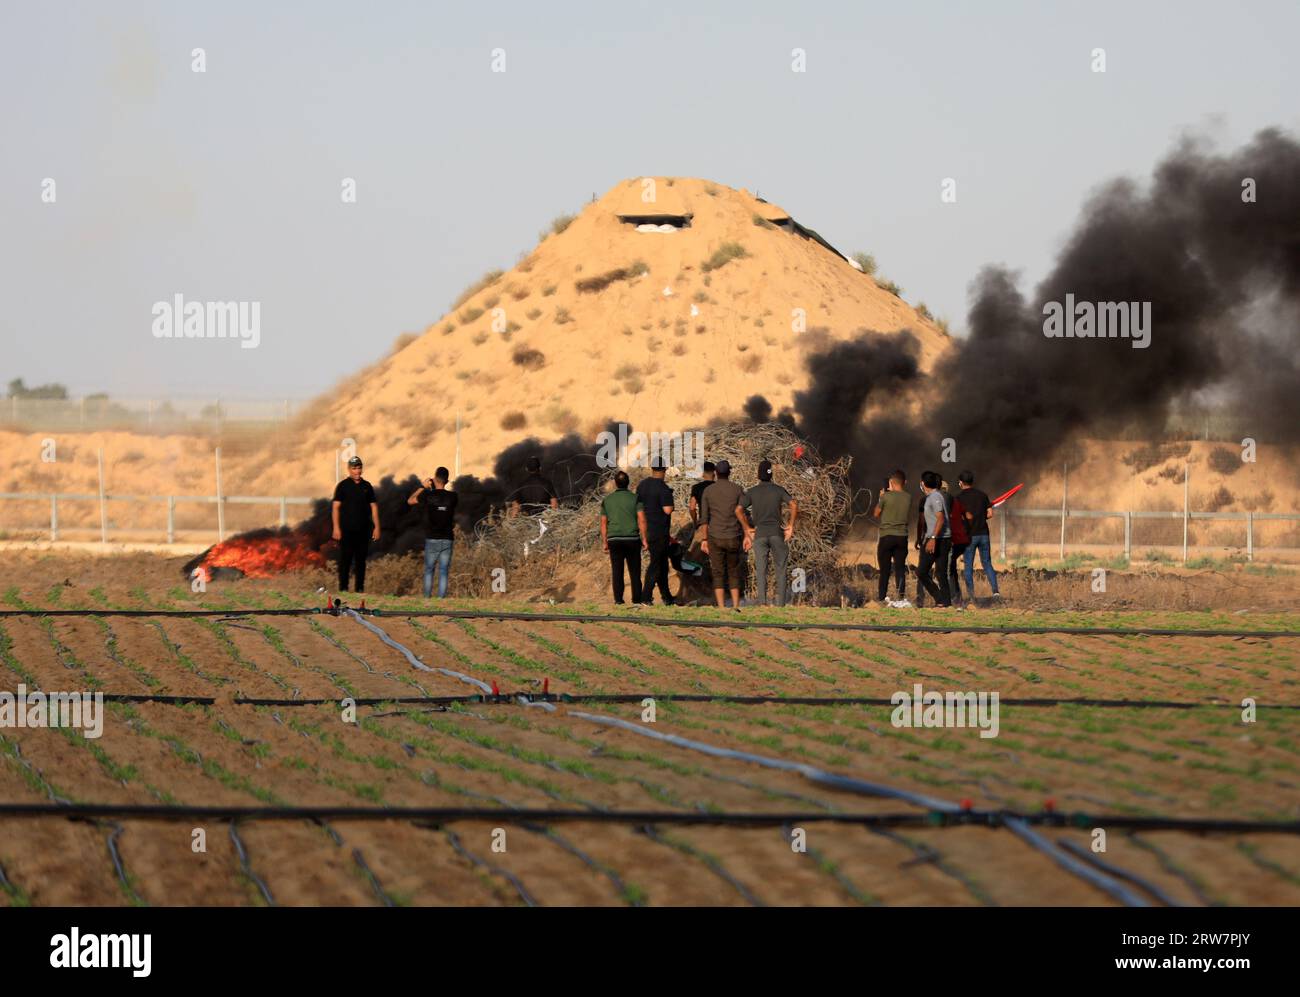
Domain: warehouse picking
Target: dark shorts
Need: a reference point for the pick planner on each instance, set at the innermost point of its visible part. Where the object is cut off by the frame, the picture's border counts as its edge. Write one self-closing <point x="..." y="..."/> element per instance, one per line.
<point x="724" y="563"/>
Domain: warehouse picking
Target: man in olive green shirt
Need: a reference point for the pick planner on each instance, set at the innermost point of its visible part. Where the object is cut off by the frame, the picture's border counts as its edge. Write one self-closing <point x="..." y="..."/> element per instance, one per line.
<point x="893" y="509"/>
<point x="622" y="537"/>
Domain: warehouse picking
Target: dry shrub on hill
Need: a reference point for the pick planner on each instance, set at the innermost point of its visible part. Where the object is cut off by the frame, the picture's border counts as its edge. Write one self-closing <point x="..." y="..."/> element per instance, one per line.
<point x="528" y="358"/>
<point x="723" y="255"/>
<point x="486" y="281"/>
<point x="1224" y="461"/>
<point x="594" y="285"/>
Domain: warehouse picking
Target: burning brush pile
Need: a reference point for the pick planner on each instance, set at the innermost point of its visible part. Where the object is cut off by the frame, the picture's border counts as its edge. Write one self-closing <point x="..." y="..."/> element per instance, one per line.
<point x="821" y="489"/>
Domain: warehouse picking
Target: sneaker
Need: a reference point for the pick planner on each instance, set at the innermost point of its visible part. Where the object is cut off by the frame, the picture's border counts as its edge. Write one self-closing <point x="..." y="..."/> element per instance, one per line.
<point x="997" y="595"/>
<point x="901" y="604"/>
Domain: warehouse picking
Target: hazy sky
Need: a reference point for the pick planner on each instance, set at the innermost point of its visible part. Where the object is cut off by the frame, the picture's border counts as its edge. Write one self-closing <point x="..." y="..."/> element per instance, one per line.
<point x="225" y="185"/>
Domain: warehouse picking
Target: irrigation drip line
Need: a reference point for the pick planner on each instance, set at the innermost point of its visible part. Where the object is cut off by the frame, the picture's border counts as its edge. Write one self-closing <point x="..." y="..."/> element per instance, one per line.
<point x="536" y="698"/>
<point x="542" y="816"/>
<point x="738" y="624"/>
<point x="1086" y="854"/>
<point x="1089" y="874"/>
<point x="412" y="657"/>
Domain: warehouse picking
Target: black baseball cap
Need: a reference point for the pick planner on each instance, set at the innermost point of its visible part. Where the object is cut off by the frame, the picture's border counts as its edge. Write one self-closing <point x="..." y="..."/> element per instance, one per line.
<point x="354" y="462"/>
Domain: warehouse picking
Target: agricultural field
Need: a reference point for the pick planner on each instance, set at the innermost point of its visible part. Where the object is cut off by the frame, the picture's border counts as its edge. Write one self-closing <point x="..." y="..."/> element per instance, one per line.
<point x="786" y="728"/>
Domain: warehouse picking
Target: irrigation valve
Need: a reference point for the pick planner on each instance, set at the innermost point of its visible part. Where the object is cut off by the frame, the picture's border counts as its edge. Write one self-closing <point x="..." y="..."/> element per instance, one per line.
<point x="198" y="840"/>
<point x="647" y="710"/>
<point x="1098" y="839"/>
<point x="498" y="839"/>
<point x="349" y="706"/>
<point x="199" y="579"/>
<point x="1248" y="710"/>
<point x="1099" y="580"/>
<point x="798" y="840"/>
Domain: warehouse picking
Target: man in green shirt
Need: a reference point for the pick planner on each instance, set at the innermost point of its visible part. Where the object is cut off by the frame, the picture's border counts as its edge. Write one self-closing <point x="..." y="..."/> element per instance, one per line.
<point x="622" y="537"/>
<point x="893" y="509"/>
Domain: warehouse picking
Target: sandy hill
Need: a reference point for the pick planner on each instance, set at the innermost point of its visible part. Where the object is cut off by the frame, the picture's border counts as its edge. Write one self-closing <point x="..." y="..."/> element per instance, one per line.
<point x="636" y="310"/>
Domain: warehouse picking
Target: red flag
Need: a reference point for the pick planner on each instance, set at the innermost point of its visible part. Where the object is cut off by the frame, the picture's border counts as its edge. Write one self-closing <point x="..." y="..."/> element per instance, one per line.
<point x="1006" y="495"/>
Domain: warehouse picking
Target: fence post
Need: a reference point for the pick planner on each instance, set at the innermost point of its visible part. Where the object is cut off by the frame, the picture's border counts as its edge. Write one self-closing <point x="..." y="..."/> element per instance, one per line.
<point x="171" y="519"/>
<point x="54" y="516"/>
<point x="284" y="513"/>
<point x="1187" y="472"/>
<point x="103" y="509"/>
<point x="1250" y="536"/>
<point x="221" y="506"/>
<point x="1065" y="497"/>
<point x="1128" y="536"/>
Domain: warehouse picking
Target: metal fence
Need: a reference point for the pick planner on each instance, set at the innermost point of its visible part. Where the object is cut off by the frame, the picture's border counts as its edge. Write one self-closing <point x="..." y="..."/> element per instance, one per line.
<point x="1135" y="529"/>
<point x="161" y="415"/>
<point x="218" y="528"/>
<point x="1014" y="529"/>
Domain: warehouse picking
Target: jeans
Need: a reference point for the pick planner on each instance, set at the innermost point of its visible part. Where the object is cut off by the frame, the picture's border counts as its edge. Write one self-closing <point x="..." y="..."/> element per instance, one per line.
<point x="980" y="543"/>
<point x="625" y="552"/>
<point x="892" y="551"/>
<point x="776" y="547"/>
<point x="440" y="551"/>
<point x="657" y="571"/>
<point x="954" y="585"/>
<point x="938" y="563"/>
<point x="353" y="548"/>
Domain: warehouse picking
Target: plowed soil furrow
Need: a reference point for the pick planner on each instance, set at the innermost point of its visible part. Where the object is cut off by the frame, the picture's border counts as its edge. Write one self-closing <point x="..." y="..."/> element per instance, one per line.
<point x="142" y="644"/>
<point x="60" y="863"/>
<point x="200" y="642"/>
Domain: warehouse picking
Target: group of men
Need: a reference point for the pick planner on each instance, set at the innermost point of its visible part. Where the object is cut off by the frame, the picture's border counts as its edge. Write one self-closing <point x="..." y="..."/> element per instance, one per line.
<point x="727" y="519"/>
<point x="948" y="528"/>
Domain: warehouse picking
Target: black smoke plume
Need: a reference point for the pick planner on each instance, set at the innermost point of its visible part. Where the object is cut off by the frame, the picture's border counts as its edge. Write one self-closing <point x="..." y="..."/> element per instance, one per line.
<point x="1222" y="274"/>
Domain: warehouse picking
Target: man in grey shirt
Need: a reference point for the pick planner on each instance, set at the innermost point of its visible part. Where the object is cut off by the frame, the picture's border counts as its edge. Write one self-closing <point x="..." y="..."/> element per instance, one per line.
<point x="936" y="543"/>
<point x="769" y="536"/>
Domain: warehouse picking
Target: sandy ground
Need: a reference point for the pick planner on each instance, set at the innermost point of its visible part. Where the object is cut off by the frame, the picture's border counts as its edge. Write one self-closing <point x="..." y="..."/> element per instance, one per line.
<point x="1201" y="762"/>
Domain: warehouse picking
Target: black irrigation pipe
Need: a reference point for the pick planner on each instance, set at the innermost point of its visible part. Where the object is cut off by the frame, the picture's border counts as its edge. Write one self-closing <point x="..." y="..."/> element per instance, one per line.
<point x="744" y="624"/>
<point x="527" y="698"/>
<point x="232" y="613"/>
<point x="929" y="819"/>
<point x="738" y="624"/>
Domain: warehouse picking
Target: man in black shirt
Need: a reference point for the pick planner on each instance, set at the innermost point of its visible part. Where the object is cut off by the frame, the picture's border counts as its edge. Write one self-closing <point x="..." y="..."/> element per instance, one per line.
<point x="535" y="494"/>
<point x="439" y="507"/>
<point x="978" y="512"/>
<point x="654" y="513"/>
<point x="356" y="523"/>
<point x="697" y="490"/>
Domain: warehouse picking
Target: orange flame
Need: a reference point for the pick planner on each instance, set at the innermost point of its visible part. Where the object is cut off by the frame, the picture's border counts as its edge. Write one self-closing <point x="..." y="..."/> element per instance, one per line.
<point x="265" y="556"/>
